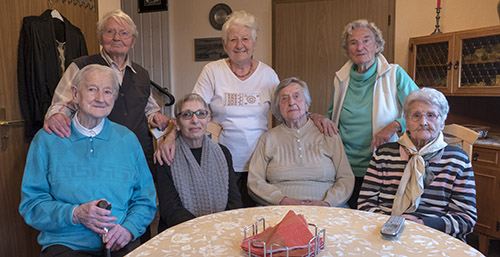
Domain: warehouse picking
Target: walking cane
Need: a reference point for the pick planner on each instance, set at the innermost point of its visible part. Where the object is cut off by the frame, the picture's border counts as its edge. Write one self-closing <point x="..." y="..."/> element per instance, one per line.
<point x="104" y="204"/>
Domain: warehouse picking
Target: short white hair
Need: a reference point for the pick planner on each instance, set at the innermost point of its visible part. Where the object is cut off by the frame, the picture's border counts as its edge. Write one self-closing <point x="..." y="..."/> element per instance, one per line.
<point x="120" y="17"/>
<point x="240" y="18"/>
<point x="275" y="105"/>
<point x="429" y="96"/>
<point x="81" y="74"/>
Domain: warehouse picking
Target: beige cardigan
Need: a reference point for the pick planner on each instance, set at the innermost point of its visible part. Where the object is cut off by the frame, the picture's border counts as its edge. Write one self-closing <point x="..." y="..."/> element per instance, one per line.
<point x="302" y="164"/>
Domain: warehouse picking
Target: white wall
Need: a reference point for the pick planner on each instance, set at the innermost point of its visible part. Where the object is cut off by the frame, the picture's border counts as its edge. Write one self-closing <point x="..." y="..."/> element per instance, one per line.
<point x="418" y="18"/>
<point x="106" y="6"/>
<point x="189" y="20"/>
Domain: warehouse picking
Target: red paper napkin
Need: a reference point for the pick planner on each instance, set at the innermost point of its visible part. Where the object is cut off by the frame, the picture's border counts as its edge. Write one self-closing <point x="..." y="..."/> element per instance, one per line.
<point x="292" y="231"/>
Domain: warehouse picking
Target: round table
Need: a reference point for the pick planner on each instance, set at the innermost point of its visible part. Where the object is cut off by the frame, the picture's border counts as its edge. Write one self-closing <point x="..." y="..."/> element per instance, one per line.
<point x="348" y="233"/>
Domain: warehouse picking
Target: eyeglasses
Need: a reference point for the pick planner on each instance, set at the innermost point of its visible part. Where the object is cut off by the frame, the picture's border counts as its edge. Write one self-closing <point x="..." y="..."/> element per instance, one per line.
<point x="430" y="116"/>
<point x="122" y="33"/>
<point x="187" y="115"/>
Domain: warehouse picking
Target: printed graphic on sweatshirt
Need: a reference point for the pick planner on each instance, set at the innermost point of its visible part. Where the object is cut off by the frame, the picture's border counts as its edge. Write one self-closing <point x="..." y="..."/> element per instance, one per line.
<point x="242" y="99"/>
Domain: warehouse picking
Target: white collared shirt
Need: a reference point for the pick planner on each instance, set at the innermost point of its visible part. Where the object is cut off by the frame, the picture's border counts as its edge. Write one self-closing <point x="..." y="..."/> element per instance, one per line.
<point x="112" y="64"/>
<point x="85" y="131"/>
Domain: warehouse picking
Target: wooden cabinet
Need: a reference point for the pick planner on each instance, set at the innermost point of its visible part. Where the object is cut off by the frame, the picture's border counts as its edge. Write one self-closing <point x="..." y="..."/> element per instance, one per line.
<point x="486" y="166"/>
<point x="463" y="63"/>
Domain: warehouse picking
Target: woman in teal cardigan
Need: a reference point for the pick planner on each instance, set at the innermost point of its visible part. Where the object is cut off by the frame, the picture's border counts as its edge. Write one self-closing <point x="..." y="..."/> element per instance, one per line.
<point x="368" y="95"/>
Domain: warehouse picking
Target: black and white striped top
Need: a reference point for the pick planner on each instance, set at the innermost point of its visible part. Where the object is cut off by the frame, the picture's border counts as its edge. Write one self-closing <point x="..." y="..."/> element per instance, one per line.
<point x="448" y="202"/>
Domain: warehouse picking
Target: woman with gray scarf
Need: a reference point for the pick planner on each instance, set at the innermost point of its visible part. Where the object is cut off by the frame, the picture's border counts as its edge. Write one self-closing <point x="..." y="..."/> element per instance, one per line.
<point x="201" y="178"/>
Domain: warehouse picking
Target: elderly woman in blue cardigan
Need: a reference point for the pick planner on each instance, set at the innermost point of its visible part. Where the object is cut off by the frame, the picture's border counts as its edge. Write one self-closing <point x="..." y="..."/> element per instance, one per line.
<point x="65" y="178"/>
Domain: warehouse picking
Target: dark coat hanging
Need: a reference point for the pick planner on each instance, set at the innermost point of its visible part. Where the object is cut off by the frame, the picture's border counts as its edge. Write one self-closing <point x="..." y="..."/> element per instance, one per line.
<point x="39" y="66"/>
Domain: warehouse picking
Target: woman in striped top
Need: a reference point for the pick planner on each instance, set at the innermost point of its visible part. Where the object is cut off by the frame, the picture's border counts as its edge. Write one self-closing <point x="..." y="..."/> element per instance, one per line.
<point x="421" y="177"/>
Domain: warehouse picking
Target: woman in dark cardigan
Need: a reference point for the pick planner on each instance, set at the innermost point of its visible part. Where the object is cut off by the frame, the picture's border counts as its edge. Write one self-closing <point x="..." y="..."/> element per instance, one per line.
<point x="201" y="178"/>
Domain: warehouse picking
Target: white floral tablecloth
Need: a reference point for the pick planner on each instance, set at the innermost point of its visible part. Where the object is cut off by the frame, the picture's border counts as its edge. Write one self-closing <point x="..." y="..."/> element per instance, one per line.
<point x="348" y="233"/>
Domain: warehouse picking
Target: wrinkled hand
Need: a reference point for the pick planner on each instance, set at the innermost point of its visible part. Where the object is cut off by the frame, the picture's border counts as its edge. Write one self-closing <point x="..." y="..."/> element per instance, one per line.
<point x="413" y="218"/>
<point x="117" y="238"/>
<point x="58" y="123"/>
<point x="159" y="121"/>
<point x="93" y="217"/>
<point x="290" y="201"/>
<point x="166" y="151"/>
<point x="385" y="134"/>
<point x="325" y="125"/>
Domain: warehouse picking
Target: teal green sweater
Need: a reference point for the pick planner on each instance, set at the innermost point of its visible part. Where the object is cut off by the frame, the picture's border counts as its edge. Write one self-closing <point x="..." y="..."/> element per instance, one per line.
<point x="355" y="122"/>
<point x="62" y="173"/>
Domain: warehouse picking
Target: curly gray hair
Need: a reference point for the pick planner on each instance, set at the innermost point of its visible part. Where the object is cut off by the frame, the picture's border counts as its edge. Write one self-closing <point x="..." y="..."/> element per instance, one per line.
<point x="362" y="24"/>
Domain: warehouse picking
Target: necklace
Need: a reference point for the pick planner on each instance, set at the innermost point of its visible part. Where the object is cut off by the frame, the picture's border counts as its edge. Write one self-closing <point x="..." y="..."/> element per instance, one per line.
<point x="237" y="75"/>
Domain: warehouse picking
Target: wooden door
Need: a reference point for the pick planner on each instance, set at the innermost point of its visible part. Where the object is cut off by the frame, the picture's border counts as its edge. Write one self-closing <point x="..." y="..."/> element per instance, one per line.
<point x="17" y="238"/>
<point x="307" y="43"/>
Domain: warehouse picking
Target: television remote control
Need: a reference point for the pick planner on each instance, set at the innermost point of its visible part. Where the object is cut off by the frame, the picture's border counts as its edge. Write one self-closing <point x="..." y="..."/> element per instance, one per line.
<point x="393" y="226"/>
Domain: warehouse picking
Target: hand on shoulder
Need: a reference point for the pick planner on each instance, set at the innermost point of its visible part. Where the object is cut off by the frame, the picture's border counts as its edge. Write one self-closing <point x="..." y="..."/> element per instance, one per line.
<point x="58" y="123"/>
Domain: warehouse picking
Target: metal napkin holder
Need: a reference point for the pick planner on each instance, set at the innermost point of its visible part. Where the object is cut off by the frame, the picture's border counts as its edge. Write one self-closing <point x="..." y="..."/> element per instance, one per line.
<point x="313" y="247"/>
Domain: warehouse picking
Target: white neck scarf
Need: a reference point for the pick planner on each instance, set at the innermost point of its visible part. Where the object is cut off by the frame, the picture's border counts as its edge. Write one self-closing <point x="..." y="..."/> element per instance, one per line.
<point x="411" y="186"/>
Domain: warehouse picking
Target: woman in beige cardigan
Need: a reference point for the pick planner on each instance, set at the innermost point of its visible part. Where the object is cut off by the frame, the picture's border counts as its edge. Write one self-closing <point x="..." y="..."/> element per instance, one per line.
<point x="294" y="163"/>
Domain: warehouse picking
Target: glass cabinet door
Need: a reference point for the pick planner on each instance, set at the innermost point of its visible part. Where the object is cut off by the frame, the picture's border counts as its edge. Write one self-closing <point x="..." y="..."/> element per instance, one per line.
<point x="431" y="62"/>
<point x="480" y="62"/>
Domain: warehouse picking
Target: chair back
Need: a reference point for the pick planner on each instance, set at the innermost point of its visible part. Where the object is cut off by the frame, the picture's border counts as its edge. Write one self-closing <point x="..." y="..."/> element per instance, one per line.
<point x="213" y="131"/>
<point x="460" y="136"/>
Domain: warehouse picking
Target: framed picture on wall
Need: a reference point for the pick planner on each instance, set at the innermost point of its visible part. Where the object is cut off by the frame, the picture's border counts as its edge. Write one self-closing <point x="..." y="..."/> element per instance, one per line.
<point x="152" y="5"/>
<point x="208" y="49"/>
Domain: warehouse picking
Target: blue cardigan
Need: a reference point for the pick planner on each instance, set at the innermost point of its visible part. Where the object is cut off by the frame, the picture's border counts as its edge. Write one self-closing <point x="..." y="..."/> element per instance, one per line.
<point x="62" y="173"/>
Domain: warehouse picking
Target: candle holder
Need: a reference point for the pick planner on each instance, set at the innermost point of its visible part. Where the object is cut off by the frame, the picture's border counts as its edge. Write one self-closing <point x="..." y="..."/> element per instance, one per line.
<point x="437" y="30"/>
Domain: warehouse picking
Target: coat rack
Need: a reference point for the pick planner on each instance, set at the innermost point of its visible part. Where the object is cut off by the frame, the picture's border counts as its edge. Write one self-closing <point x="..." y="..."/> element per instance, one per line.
<point x="90" y="4"/>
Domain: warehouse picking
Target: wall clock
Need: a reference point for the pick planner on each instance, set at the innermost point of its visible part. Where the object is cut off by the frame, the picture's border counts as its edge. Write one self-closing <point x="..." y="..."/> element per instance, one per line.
<point x="218" y="15"/>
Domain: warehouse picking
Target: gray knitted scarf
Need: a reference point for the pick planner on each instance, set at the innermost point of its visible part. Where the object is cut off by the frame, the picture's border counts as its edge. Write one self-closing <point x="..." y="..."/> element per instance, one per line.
<point x="202" y="189"/>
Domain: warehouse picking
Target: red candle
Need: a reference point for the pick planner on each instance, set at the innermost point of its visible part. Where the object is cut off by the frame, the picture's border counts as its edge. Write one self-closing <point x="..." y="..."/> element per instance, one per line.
<point x="439" y="4"/>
